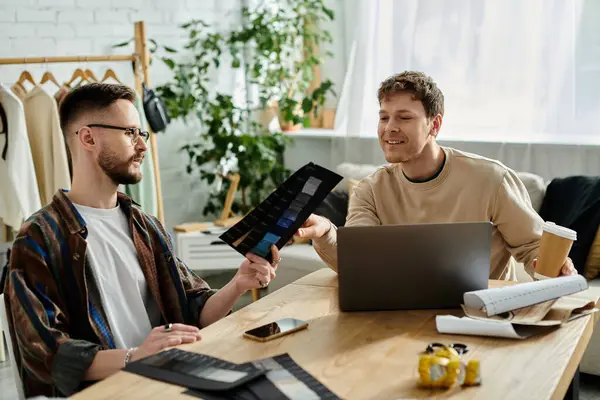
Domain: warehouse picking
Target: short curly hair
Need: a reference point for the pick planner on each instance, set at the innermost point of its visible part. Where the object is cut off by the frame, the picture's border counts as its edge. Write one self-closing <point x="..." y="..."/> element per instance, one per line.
<point x="420" y="85"/>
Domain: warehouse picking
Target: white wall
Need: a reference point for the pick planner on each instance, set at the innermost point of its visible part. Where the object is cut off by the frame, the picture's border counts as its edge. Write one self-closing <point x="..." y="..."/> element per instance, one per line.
<point x="79" y="27"/>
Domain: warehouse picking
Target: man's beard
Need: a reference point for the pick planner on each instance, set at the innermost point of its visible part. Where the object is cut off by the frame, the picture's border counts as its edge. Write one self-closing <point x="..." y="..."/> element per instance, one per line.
<point x="118" y="171"/>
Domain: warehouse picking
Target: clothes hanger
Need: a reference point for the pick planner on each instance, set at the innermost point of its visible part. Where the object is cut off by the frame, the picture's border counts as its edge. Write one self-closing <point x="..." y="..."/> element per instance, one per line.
<point x="110" y="74"/>
<point x="25" y="76"/>
<point x="78" y="73"/>
<point x="90" y="75"/>
<point x="48" y="76"/>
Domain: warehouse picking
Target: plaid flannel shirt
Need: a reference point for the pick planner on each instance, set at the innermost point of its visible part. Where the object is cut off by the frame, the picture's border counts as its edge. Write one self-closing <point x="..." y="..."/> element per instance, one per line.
<point x="55" y="313"/>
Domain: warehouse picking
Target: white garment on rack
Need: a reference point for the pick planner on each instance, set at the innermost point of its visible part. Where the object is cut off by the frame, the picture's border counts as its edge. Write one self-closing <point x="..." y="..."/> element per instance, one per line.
<point x="19" y="197"/>
<point x="47" y="143"/>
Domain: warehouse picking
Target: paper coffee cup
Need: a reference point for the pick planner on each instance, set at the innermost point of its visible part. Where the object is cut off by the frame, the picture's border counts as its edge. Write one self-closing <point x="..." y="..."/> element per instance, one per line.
<point x="554" y="249"/>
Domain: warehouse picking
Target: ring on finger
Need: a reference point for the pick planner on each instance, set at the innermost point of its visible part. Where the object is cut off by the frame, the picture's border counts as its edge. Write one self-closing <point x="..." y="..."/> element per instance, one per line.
<point x="275" y="262"/>
<point x="168" y="327"/>
<point x="261" y="283"/>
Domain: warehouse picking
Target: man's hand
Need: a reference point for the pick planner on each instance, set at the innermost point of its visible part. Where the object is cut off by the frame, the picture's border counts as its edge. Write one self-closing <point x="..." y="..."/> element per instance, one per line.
<point x="161" y="338"/>
<point x="314" y="227"/>
<point x="567" y="269"/>
<point x="256" y="272"/>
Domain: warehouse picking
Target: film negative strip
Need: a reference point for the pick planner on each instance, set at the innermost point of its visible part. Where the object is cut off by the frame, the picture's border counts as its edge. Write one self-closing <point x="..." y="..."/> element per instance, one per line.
<point x="278" y="217"/>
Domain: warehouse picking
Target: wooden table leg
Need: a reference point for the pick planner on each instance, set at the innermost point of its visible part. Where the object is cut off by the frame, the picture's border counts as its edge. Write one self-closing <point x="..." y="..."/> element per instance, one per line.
<point x="573" y="391"/>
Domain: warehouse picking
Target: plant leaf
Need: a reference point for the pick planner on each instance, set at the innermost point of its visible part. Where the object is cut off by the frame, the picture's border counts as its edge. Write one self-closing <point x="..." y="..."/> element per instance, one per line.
<point x="329" y="12"/>
<point x="170" y="63"/>
<point x="122" y="44"/>
<point x="169" y="49"/>
<point x="307" y="105"/>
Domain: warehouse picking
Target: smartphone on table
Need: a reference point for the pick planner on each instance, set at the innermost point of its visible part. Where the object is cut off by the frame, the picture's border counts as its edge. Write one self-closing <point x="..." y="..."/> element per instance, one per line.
<point x="275" y="329"/>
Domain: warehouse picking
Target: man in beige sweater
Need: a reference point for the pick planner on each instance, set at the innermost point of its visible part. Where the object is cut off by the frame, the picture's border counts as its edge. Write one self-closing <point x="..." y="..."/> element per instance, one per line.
<point x="426" y="183"/>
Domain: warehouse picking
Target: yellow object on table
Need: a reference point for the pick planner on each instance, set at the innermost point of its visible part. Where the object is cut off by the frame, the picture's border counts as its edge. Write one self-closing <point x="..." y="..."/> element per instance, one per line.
<point x="445" y="368"/>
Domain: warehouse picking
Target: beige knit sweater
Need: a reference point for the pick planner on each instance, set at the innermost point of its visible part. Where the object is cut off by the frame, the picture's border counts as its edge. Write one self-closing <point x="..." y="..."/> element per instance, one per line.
<point x="469" y="188"/>
<point x="47" y="142"/>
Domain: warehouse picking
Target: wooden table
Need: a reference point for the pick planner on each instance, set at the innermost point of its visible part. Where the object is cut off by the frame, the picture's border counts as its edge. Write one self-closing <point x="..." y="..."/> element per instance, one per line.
<point x="373" y="355"/>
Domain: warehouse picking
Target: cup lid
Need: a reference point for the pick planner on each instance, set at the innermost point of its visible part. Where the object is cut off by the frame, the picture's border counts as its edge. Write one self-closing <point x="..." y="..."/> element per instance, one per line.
<point x="560" y="230"/>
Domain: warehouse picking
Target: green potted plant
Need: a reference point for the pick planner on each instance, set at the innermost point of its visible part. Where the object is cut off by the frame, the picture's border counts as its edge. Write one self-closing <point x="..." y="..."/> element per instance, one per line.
<point x="276" y="47"/>
<point x="283" y="44"/>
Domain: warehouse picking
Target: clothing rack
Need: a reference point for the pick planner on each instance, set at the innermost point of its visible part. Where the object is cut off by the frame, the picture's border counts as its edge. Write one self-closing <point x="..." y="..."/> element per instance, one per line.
<point x="65" y="59"/>
<point x="141" y="59"/>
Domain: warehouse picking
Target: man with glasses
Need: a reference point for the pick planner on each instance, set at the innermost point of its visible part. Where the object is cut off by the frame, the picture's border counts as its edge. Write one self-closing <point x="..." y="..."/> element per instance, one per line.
<point x="94" y="282"/>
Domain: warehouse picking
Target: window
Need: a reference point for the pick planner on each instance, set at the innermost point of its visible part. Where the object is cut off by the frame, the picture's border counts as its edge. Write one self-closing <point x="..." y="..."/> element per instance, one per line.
<point x="509" y="69"/>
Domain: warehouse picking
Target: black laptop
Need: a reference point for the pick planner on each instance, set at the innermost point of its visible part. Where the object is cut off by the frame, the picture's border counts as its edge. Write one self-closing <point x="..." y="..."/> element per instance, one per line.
<point x="424" y="266"/>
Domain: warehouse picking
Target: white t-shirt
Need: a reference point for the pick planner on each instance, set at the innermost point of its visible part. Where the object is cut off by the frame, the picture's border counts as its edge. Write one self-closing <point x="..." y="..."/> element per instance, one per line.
<point x="128" y="303"/>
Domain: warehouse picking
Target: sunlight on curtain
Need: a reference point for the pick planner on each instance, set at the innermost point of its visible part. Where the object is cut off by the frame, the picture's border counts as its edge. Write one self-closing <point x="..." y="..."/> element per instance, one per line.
<point x="510" y="70"/>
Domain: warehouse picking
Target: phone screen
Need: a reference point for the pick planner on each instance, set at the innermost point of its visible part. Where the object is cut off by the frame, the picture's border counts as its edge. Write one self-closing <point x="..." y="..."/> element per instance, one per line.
<point x="277" y="327"/>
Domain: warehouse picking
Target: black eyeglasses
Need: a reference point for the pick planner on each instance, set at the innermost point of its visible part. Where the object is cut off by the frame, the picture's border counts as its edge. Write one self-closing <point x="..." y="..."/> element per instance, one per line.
<point x="134" y="133"/>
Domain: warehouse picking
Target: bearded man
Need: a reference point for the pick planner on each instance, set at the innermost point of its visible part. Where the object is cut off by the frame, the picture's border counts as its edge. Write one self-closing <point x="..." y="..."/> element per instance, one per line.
<point x="93" y="281"/>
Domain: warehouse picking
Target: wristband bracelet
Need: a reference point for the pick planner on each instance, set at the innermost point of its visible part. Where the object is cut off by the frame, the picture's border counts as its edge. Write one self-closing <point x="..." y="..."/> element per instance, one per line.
<point x="129" y="354"/>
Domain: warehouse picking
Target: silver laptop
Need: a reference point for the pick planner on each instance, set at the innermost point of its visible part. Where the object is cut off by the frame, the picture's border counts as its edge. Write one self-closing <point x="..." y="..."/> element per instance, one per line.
<point x="398" y="267"/>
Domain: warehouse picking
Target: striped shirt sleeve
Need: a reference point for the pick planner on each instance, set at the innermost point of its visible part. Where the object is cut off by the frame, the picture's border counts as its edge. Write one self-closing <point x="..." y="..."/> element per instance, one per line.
<point x="47" y="354"/>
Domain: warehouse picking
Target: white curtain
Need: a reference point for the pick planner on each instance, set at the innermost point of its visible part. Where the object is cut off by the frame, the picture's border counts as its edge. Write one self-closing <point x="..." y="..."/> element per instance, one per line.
<point x="507" y="68"/>
<point x="511" y="71"/>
